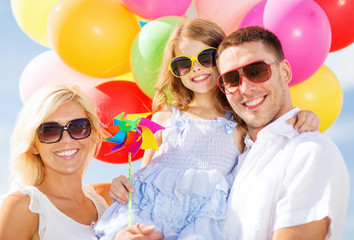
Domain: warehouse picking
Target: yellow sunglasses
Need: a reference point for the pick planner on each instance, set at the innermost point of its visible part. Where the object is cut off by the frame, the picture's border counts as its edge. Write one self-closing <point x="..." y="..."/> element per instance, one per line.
<point x="182" y="65"/>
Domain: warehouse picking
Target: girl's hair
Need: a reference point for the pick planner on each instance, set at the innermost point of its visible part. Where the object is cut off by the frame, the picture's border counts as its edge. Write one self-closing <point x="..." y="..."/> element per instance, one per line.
<point x="27" y="167"/>
<point x="197" y="29"/>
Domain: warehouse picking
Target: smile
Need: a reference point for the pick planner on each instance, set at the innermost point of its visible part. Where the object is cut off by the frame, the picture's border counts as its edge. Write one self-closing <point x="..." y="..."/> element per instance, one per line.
<point x="66" y="153"/>
<point x="200" y="78"/>
<point x="254" y="102"/>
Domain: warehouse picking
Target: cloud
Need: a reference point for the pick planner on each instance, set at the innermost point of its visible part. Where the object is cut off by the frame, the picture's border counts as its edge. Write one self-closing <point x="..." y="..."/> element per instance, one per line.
<point x="341" y="64"/>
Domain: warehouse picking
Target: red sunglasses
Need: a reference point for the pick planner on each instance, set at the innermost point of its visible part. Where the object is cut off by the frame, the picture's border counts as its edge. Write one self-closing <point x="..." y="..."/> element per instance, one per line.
<point x="256" y="72"/>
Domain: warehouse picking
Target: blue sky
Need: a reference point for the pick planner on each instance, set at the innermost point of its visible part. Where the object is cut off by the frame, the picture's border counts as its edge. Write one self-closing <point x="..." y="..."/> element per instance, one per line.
<point x="17" y="50"/>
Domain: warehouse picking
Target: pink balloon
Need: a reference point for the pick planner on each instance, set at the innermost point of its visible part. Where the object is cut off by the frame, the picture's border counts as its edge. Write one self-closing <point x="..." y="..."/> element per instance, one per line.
<point x="47" y="68"/>
<point x="228" y="14"/>
<point x="152" y="9"/>
<point x="304" y="31"/>
<point x="255" y="16"/>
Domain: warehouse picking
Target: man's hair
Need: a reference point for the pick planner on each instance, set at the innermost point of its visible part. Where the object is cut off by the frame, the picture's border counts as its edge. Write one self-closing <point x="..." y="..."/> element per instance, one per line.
<point x="253" y="34"/>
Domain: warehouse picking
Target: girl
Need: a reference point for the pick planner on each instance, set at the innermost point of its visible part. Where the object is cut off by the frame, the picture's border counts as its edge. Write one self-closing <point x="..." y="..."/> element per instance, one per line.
<point x="182" y="189"/>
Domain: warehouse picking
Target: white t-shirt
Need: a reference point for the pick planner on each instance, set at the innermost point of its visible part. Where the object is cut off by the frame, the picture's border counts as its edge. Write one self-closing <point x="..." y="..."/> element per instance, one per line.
<point x="286" y="179"/>
<point x="53" y="224"/>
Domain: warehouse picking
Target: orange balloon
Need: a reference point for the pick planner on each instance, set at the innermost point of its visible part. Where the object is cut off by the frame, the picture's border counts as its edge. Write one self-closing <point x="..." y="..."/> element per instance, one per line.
<point x="93" y="36"/>
<point x="321" y="94"/>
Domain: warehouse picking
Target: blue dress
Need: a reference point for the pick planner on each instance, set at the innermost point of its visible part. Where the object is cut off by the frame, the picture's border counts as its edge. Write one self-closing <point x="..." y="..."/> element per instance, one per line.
<point x="183" y="190"/>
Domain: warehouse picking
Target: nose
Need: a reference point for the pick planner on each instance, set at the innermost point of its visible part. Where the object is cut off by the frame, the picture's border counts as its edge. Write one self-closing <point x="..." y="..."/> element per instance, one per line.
<point x="196" y="66"/>
<point x="246" y="86"/>
<point x="65" y="137"/>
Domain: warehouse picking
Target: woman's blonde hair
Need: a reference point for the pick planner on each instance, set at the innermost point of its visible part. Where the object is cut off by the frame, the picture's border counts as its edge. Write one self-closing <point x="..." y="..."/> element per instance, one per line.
<point x="27" y="167"/>
<point x="197" y="29"/>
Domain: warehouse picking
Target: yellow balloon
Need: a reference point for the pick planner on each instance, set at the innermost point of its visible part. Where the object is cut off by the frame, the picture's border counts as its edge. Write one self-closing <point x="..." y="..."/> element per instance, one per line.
<point x="32" y="17"/>
<point x="126" y="77"/>
<point x="93" y="36"/>
<point x="321" y="94"/>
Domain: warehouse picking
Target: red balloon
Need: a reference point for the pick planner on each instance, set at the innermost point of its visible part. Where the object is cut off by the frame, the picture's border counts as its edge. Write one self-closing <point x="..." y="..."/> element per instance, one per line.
<point x="112" y="98"/>
<point x="341" y="17"/>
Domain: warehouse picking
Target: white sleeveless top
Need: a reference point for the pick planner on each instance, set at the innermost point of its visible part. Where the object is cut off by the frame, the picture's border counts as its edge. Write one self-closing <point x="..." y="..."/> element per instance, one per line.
<point x="53" y="224"/>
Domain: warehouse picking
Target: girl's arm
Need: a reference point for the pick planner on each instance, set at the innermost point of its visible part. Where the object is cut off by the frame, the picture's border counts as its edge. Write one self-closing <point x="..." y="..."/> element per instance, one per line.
<point x="16" y="220"/>
<point x="305" y="121"/>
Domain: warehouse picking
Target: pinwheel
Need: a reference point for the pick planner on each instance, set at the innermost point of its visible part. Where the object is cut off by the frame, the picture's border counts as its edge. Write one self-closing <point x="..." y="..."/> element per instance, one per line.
<point x="133" y="132"/>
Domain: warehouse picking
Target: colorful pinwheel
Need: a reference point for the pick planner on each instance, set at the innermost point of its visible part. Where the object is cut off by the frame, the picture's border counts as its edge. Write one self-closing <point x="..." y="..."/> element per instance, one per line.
<point x="133" y="132"/>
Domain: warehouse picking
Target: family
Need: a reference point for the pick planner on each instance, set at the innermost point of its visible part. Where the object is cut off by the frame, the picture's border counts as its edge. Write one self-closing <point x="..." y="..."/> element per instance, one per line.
<point x="237" y="160"/>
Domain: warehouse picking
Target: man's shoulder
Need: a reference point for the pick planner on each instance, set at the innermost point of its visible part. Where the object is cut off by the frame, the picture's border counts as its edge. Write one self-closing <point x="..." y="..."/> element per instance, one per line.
<point x="314" y="136"/>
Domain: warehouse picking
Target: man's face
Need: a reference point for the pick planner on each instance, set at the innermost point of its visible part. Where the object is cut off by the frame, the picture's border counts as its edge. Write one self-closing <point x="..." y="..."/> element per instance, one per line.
<point x="258" y="104"/>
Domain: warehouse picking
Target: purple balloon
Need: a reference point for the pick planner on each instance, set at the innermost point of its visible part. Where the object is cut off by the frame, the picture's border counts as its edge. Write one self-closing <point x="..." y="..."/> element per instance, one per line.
<point x="304" y="31"/>
<point x="255" y="16"/>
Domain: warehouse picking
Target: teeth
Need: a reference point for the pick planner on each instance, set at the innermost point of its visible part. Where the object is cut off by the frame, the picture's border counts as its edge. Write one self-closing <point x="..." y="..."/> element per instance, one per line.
<point x="202" y="77"/>
<point x="254" y="102"/>
<point x="66" y="153"/>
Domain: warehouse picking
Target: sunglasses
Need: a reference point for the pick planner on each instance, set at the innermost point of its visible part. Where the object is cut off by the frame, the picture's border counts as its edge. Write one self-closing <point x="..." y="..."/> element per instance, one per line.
<point x="52" y="132"/>
<point x="256" y="72"/>
<point x="182" y="65"/>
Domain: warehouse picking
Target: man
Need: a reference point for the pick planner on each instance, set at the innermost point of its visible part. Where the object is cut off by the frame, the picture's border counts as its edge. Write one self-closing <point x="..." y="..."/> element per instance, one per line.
<point x="288" y="185"/>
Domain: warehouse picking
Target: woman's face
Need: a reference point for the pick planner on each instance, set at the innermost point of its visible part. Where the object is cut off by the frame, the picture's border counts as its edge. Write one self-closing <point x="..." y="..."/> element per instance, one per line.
<point x="199" y="80"/>
<point x="67" y="156"/>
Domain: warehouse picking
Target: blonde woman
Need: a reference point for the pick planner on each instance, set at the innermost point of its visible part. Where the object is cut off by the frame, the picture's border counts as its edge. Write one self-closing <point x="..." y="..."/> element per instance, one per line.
<point x="51" y="146"/>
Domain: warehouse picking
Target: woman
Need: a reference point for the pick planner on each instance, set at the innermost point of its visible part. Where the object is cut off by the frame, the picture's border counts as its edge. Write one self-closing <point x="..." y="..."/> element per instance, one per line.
<point x="51" y="146"/>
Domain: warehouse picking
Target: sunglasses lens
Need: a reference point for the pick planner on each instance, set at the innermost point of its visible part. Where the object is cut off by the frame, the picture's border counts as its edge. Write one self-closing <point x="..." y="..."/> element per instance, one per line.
<point x="229" y="82"/>
<point x="49" y="132"/>
<point x="79" y="128"/>
<point x="181" y="66"/>
<point x="207" y="58"/>
<point x="257" y="72"/>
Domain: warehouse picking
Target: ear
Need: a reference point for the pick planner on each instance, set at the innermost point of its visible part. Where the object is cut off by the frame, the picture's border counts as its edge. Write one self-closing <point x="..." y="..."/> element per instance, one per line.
<point x="34" y="150"/>
<point x="286" y="72"/>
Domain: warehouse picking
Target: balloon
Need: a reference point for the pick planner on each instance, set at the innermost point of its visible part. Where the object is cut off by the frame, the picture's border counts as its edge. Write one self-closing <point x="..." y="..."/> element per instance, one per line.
<point x="321" y="94"/>
<point x="32" y="17"/>
<point x="47" y="68"/>
<point x="93" y="36"/>
<point x="126" y="77"/>
<point x="228" y="14"/>
<point x="304" y="31"/>
<point x="152" y="9"/>
<point x="147" y="51"/>
<point x="341" y="17"/>
<point x="255" y="16"/>
<point x="112" y="98"/>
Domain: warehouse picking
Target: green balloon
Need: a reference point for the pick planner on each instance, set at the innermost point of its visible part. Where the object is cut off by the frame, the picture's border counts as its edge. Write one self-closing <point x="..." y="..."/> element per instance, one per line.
<point x="147" y="51"/>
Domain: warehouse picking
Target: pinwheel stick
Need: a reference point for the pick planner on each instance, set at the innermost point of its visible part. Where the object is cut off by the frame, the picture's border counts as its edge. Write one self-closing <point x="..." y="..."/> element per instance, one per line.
<point x="130" y="194"/>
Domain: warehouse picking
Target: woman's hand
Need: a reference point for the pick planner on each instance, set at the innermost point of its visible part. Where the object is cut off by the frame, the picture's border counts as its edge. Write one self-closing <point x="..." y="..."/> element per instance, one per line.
<point x="120" y="189"/>
<point x="305" y="121"/>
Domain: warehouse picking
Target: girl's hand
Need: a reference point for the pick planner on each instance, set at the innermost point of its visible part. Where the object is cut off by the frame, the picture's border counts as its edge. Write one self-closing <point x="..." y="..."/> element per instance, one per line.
<point x="120" y="189"/>
<point x="139" y="232"/>
<point x="305" y="121"/>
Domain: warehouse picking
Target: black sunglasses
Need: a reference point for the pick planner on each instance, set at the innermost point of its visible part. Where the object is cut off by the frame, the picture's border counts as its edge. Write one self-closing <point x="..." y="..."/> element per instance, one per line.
<point x="256" y="72"/>
<point x="52" y="132"/>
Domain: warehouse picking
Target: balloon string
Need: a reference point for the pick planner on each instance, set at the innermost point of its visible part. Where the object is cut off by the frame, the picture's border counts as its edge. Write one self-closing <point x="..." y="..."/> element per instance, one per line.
<point x="130" y="194"/>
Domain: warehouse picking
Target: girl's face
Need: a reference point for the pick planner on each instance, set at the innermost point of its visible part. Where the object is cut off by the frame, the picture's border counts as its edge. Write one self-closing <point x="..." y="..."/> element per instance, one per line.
<point x="199" y="80"/>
